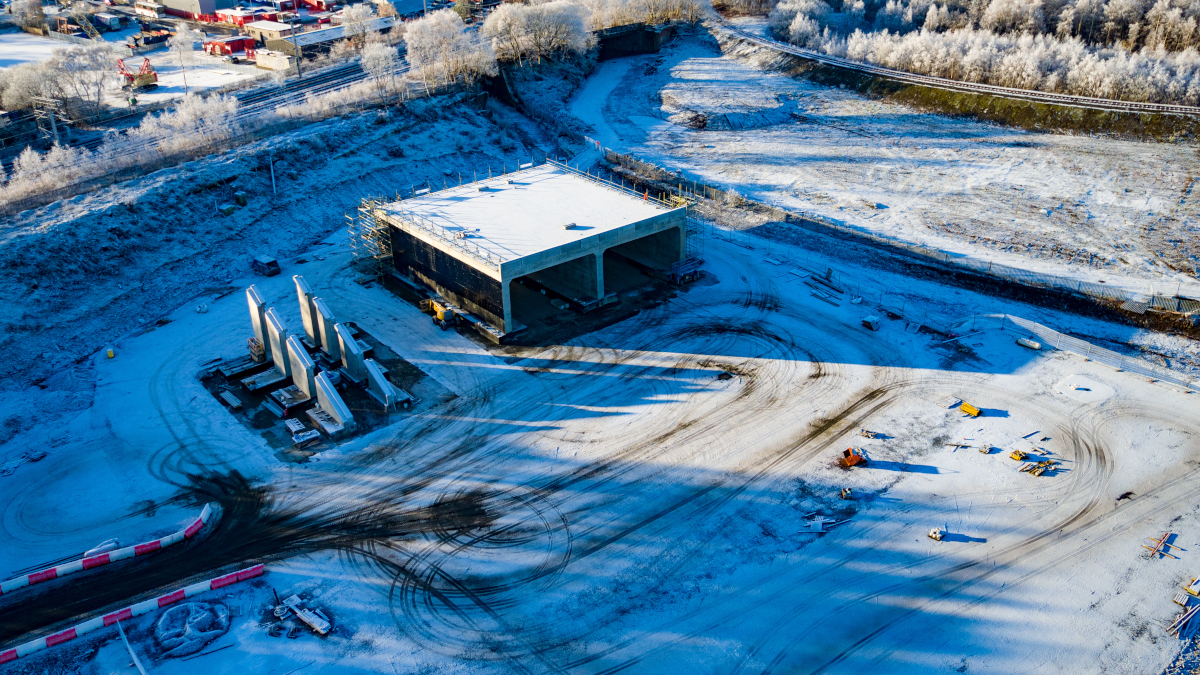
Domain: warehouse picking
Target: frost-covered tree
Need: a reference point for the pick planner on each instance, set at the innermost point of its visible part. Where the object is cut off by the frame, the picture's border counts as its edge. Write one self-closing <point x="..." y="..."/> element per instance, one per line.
<point x="354" y="21"/>
<point x="380" y="61"/>
<point x="82" y="72"/>
<point x="29" y="13"/>
<point x="441" y="50"/>
<point x="506" y="28"/>
<point x="1014" y="16"/>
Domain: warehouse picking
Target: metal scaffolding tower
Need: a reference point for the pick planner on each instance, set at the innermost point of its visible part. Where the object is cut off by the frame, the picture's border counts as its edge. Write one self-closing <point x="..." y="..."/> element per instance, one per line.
<point x="370" y="240"/>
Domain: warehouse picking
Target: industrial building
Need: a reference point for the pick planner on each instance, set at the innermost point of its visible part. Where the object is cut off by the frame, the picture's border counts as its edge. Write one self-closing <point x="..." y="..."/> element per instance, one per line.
<point x="196" y="9"/>
<point x="321" y="41"/>
<point x="483" y="245"/>
<point x="268" y="30"/>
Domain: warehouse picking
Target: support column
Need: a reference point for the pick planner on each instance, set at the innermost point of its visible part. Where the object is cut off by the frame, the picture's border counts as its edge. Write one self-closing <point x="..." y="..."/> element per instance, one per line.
<point x="277" y="335"/>
<point x="599" y="260"/>
<point x="325" y="324"/>
<point x="258" y="318"/>
<point x="302" y="367"/>
<point x="352" y="356"/>
<point x="506" y="298"/>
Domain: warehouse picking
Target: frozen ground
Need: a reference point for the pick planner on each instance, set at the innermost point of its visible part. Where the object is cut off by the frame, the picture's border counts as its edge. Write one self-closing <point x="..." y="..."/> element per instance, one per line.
<point x="1091" y="208"/>
<point x="21" y="47"/>
<point x="612" y="504"/>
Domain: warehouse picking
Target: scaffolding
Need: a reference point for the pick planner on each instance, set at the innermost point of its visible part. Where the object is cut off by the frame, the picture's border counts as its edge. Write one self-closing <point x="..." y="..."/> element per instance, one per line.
<point x="370" y="240"/>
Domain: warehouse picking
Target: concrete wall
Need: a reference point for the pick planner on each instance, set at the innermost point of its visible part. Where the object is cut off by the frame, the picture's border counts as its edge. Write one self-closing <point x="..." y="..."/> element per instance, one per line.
<point x="636" y="38"/>
<point x="457" y="281"/>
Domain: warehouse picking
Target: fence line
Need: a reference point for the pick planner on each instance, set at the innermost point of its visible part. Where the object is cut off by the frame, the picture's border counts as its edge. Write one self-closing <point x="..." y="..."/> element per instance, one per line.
<point x="1134" y="301"/>
<point x="74" y="39"/>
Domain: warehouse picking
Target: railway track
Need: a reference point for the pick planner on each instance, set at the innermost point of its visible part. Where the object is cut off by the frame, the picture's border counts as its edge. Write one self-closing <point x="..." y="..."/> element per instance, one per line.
<point x="955" y="85"/>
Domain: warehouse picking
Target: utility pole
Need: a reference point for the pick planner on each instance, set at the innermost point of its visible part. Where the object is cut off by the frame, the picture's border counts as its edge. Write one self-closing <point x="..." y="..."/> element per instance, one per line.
<point x="296" y="17"/>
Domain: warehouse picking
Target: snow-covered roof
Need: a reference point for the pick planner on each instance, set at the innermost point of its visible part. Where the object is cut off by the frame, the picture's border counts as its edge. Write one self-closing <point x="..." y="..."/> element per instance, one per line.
<point x="268" y="25"/>
<point x="314" y="37"/>
<point x="523" y="213"/>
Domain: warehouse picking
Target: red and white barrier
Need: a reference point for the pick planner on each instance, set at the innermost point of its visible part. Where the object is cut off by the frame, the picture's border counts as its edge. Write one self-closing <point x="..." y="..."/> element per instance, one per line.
<point x="129" y="612"/>
<point x="112" y="556"/>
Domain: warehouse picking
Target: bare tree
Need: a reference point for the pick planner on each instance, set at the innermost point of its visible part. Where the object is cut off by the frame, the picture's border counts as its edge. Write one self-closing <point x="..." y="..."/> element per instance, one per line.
<point x="183" y="46"/>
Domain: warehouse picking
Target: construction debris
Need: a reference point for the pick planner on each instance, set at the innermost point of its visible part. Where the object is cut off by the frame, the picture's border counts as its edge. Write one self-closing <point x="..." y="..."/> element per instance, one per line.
<point x="868" y="434"/>
<point x="1183" y="626"/>
<point x="1160" y="547"/>
<point x="936" y="534"/>
<point x="1039" y="468"/>
<point x="847" y="493"/>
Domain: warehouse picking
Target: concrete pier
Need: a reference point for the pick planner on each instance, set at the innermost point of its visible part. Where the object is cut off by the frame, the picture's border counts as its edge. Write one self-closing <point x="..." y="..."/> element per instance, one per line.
<point x="303" y="368"/>
<point x="352" y="355"/>
<point x="307" y="313"/>
<point x="258" y="314"/>
<point x="277" y="335"/>
<point x="325" y="324"/>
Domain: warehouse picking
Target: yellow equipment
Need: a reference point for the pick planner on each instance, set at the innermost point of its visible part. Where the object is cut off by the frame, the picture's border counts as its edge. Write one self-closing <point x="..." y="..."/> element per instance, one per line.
<point x="970" y="409"/>
<point x="1019" y="455"/>
<point x="443" y="314"/>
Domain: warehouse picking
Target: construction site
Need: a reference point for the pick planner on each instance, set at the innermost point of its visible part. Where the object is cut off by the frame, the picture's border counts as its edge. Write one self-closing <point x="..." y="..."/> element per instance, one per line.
<point x="420" y="403"/>
<point x="507" y="250"/>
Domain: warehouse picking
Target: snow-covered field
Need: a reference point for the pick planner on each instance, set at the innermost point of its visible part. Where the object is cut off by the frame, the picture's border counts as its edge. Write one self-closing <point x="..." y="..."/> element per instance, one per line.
<point x="18" y="48"/>
<point x="1090" y="208"/>
<point x="638" y="499"/>
<point x="633" y="511"/>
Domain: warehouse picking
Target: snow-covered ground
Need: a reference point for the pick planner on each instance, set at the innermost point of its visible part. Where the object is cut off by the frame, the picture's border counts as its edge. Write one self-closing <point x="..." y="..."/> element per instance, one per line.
<point x="1090" y="208"/>
<point x="634" y="511"/>
<point x="23" y="47"/>
<point x="202" y="73"/>
<point x="635" y="499"/>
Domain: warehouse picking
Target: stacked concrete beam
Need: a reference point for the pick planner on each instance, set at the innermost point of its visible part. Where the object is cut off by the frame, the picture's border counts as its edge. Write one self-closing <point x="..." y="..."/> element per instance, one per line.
<point x="352" y="355"/>
<point x="303" y="368"/>
<point x="331" y="402"/>
<point x="325" y="323"/>
<point x="307" y="314"/>
<point x="277" y="335"/>
<point x="378" y="385"/>
<point x="258" y="314"/>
